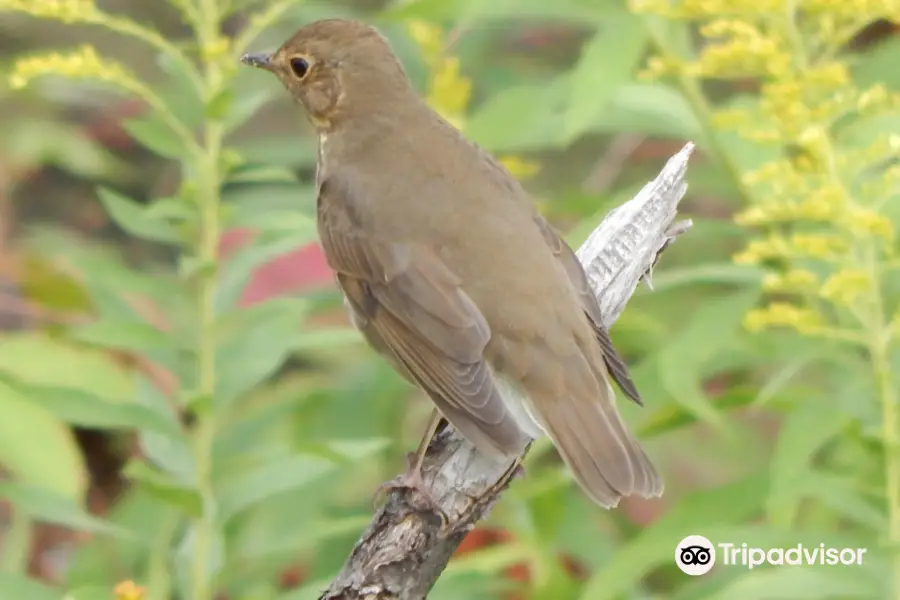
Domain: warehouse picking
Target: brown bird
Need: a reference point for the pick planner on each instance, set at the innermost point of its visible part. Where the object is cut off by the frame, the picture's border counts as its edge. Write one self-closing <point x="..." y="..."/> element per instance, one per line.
<point x="450" y="272"/>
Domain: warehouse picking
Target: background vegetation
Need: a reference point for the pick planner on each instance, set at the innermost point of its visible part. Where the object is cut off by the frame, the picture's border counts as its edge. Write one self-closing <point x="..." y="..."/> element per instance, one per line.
<point x="185" y="414"/>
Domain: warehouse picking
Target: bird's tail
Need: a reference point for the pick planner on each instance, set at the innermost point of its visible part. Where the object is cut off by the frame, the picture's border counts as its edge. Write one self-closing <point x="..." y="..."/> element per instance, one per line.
<point x="604" y="457"/>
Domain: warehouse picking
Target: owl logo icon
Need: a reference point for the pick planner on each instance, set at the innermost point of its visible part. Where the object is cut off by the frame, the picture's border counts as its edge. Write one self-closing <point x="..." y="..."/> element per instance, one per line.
<point x="695" y="555"/>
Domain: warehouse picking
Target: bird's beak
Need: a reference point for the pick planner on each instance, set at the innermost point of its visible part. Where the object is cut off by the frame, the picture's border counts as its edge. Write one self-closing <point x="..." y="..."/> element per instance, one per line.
<point x="261" y="60"/>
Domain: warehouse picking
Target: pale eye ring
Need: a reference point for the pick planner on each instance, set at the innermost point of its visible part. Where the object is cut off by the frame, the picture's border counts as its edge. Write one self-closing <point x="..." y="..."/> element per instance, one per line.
<point x="300" y="66"/>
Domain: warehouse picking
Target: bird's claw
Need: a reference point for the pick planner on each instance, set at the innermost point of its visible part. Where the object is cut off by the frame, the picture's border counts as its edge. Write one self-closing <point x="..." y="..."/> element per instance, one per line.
<point x="412" y="480"/>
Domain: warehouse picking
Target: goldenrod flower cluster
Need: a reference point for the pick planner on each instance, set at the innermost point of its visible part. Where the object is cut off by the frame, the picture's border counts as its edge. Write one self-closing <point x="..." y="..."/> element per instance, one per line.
<point x="83" y="63"/>
<point x="449" y="92"/>
<point x="829" y="238"/>
<point x="67" y="11"/>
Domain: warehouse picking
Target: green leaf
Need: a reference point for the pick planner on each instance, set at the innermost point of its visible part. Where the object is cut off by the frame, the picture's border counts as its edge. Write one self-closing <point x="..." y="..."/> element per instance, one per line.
<point x="152" y="132"/>
<point x="172" y="209"/>
<point x="352" y="451"/>
<point x="710" y="330"/>
<point x="21" y="587"/>
<point x="39" y="359"/>
<point x="299" y="227"/>
<point x="311" y="340"/>
<point x="245" y="202"/>
<point x="135" y="219"/>
<point x="136" y="337"/>
<point x="156" y="135"/>
<point x="50" y="507"/>
<point x="840" y="494"/>
<point x="107" y="279"/>
<point x="249" y="97"/>
<point x="181" y="93"/>
<point x="804" y="431"/>
<point x="219" y="105"/>
<point x="284" y="474"/>
<point x="670" y="417"/>
<point x="165" y="488"/>
<point x="173" y="454"/>
<point x="87" y="410"/>
<point x="878" y="64"/>
<point x="254" y="173"/>
<point x="655" y="545"/>
<point x="497" y="124"/>
<point x="315" y="532"/>
<point x="651" y="109"/>
<point x="37" y="448"/>
<point x="151" y="526"/>
<point x="607" y="61"/>
<point x="282" y="150"/>
<point x="671" y="278"/>
<point x="254" y="344"/>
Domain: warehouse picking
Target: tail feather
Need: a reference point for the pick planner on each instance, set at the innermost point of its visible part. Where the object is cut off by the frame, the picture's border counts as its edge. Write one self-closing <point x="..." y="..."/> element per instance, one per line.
<point x="606" y="460"/>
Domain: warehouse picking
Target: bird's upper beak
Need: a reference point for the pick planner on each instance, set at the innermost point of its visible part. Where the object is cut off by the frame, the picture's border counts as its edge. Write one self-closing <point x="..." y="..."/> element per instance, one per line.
<point x="260" y="60"/>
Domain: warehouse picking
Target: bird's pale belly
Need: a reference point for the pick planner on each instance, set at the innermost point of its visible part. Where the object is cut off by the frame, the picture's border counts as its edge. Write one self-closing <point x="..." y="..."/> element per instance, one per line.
<point x="520" y="407"/>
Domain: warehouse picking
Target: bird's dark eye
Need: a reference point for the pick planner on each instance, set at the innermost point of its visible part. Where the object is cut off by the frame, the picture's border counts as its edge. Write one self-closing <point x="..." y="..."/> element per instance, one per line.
<point x="300" y="67"/>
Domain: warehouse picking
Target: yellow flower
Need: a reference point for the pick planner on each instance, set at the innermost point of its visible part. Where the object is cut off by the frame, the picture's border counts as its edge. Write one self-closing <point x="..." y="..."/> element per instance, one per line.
<point x="519" y="167"/>
<point x="128" y="590"/>
<point x="83" y="63"/>
<point x="868" y="222"/>
<point x="773" y="247"/>
<point x="429" y="38"/>
<point x="67" y="11"/>
<point x="818" y="245"/>
<point x="782" y="314"/>
<point x="795" y="280"/>
<point x="219" y="47"/>
<point x="845" y="286"/>
<point x="449" y="91"/>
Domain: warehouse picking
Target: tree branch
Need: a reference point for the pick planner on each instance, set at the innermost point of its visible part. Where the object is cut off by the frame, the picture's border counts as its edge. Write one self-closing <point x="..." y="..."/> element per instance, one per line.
<point x="403" y="551"/>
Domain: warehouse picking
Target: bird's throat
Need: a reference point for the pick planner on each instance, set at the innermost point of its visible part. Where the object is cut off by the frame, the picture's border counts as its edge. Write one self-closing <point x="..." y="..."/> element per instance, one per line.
<point x="320" y="158"/>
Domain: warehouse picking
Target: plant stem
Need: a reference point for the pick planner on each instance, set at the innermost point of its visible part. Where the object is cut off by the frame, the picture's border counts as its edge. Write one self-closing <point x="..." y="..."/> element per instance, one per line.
<point x="879" y="335"/>
<point x="208" y="183"/>
<point x="880" y="352"/>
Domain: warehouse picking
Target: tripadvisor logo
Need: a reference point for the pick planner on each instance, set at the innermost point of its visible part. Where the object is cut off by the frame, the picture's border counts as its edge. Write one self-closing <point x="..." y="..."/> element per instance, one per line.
<point x="697" y="555"/>
<point x="734" y="554"/>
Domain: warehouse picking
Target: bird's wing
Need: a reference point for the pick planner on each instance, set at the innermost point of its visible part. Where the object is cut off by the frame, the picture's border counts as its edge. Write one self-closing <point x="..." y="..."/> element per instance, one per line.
<point x="410" y="306"/>
<point x="614" y="363"/>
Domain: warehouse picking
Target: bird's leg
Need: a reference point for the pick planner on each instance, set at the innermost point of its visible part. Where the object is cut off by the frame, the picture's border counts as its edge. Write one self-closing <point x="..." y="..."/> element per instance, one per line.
<point x="412" y="478"/>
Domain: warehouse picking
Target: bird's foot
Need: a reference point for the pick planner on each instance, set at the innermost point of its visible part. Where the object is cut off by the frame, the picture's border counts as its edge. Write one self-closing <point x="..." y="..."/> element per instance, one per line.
<point x="412" y="480"/>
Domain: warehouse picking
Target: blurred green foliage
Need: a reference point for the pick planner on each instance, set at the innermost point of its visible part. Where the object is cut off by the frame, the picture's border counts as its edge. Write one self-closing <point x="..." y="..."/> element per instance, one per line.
<point x="252" y="436"/>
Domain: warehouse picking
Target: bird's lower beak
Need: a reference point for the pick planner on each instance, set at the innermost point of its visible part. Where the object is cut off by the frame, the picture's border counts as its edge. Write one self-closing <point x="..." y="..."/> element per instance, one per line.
<point x="260" y="60"/>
